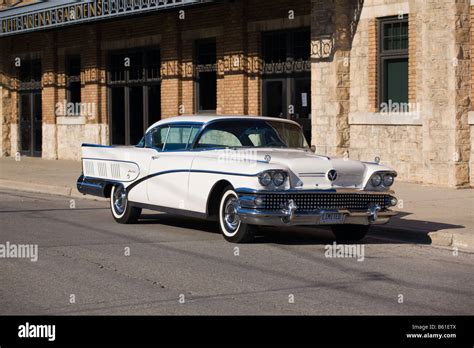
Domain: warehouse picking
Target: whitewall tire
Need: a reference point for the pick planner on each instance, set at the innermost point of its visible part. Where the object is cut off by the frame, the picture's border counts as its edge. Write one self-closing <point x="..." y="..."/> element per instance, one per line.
<point x="232" y="228"/>
<point x="121" y="210"/>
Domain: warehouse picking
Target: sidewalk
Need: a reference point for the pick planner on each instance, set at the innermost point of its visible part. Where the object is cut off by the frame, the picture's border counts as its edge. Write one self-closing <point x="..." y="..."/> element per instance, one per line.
<point x="439" y="216"/>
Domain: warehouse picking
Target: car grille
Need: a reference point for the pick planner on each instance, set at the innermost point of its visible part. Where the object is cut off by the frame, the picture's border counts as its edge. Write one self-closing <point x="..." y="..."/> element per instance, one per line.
<point x="317" y="201"/>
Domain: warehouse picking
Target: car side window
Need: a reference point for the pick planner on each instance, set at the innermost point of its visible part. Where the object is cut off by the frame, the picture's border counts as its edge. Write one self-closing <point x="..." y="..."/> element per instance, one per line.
<point x="156" y="137"/>
<point x="141" y="143"/>
<point x="180" y="137"/>
<point x="218" y="138"/>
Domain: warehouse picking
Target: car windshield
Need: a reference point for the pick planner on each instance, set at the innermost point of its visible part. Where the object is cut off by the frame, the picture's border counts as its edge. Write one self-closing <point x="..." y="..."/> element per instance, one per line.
<point x="252" y="133"/>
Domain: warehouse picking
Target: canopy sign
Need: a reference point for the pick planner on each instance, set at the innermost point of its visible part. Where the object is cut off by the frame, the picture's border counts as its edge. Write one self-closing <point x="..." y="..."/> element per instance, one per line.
<point x="60" y="13"/>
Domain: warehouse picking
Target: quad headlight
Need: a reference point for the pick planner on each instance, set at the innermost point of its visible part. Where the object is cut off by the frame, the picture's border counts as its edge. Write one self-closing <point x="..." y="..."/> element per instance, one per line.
<point x="376" y="180"/>
<point x="275" y="177"/>
<point x="279" y="178"/>
<point x="388" y="180"/>
<point x="265" y="178"/>
<point x="382" y="179"/>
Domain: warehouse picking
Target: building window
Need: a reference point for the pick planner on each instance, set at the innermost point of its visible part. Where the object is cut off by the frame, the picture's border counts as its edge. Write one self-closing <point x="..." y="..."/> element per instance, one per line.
<point x="286" y="46"/>
<point x="134" y="93"/>
<point x="30" y="107"/>
<point x="30" y="75"/>
<point x="73" y="79"/>
<point x="393" y="62"/>
<point x="206" y="75"/>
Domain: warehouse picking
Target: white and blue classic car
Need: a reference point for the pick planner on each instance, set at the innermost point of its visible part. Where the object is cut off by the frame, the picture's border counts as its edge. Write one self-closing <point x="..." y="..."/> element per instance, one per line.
<point x="241" y="171"/>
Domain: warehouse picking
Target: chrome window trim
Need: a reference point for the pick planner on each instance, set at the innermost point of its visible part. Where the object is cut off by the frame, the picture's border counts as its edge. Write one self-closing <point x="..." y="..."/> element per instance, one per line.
<point x="205" y="125"/>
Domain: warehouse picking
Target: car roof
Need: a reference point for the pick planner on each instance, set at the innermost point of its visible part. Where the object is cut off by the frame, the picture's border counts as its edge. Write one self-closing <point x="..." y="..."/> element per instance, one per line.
<point x="207" y="119"/>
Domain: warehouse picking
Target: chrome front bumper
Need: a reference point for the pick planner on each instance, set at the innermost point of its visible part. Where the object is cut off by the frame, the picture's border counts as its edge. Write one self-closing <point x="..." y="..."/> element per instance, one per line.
<point x="290" y="215"/>
<point x="276" y="218"/>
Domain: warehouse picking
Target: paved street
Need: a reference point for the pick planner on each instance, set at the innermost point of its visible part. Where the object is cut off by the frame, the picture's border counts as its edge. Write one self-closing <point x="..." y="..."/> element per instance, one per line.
<point x="81" y="257"/>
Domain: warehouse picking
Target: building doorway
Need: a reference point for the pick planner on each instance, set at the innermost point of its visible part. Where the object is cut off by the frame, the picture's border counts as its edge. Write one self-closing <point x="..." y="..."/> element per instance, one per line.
<point x="274" y="97"/>
<point x="30" y="108"/>
<point x="286" y="76"/>
<point x="134" y="94"/>
<point x="289" y="98"/>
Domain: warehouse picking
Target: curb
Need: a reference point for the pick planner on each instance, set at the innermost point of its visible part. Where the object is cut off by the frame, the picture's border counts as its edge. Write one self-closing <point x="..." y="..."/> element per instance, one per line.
<point x="47" y="189"/>
<point x="453" y="239"/>
<point x="448" y="238"/>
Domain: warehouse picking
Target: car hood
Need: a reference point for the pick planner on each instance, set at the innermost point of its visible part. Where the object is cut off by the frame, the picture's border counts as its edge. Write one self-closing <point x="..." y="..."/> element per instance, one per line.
<point x="309" y="170"/>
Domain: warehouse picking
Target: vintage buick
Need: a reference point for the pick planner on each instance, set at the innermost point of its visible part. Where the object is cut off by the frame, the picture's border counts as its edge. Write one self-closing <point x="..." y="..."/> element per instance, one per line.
<point x="241" y="171"/>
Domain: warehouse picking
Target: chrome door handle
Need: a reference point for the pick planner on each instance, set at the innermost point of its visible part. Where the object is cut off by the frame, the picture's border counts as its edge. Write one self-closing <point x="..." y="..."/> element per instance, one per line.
<point x="155" y="157"/>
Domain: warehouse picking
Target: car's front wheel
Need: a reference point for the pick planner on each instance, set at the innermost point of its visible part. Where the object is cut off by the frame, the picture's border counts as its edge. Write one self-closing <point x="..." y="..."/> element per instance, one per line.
<point x="121" y="210"/>
<point x="350" y="233"/>
<point x="232" y="228"/>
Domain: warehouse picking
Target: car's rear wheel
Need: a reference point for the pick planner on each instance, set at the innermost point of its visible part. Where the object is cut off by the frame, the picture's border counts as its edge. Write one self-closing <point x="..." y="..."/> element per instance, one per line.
<point x="350" y="233"/>
<point x="232" y="228"/>
<point x="121" y="210"/>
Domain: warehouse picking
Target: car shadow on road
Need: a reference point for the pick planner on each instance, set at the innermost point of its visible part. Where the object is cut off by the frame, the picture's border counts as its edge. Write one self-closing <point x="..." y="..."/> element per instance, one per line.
<point x="178" y="221"/>
<point x="400" y="231"/>
<point x="50" y="210"/>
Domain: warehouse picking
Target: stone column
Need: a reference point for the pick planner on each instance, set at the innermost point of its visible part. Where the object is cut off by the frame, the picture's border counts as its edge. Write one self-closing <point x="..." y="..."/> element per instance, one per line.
<point x="233" y="64"/>
<point x="330" y="54"/>
<point x="443" y="79"/>
<point x="187" y="78"/>
<point x="170" y="60"/>
<point x="93" y="91"/>
<point x="254" y="69"/>
<point x="5" y="102"/>
<point x="49" y="95"/>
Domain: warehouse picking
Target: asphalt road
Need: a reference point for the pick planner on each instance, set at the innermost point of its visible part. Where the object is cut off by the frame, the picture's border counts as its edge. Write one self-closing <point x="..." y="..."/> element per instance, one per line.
<point x="181" y="266"/>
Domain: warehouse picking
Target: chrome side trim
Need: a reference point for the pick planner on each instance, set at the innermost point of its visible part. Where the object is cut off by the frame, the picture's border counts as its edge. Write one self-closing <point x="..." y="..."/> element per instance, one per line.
<point x="185" y="171"/>
<point x="96" y="145"/>
<point x="167" y="210"/>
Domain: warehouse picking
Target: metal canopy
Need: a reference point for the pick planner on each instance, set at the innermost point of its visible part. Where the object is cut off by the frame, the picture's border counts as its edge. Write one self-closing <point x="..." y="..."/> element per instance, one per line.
<point x="54" y="14"/>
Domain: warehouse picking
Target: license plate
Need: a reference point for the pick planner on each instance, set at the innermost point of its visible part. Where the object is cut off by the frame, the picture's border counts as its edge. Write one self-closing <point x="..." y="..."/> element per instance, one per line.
<point x="332" y="218"/>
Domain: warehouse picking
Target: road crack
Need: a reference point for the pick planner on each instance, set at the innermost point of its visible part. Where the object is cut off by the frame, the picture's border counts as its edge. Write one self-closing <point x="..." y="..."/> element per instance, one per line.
<point x="111" y="269"/>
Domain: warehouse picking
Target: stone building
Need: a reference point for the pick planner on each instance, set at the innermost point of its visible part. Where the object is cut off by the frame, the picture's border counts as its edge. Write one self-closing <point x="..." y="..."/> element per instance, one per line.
<point x="386" y="78"/>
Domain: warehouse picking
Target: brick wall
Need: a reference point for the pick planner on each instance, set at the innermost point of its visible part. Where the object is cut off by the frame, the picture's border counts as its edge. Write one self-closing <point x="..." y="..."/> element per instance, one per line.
<point x="238" y="50"/>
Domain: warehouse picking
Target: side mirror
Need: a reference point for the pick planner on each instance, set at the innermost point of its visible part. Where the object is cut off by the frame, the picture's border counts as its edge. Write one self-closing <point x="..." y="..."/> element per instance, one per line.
<point x="313" y="148"/>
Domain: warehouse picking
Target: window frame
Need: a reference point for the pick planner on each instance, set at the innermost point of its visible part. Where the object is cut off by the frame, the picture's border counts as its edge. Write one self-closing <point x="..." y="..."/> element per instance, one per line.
<point x="149" y="69"/>
<point x="149" y="144"/>
<point x="189" y="140"/>
<point x="290" y="51"/>
<point x="189" y="145"/>
<point x="200" y="67"/>
<point x="73" y="79"/>
<point x="209" y="126"/>
<point x="386" y="55"/>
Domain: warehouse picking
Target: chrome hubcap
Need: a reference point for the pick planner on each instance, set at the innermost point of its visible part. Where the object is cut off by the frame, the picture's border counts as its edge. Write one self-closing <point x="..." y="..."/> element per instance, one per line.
<point x="231" y="219"/>
<point x="120" y="200"/>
